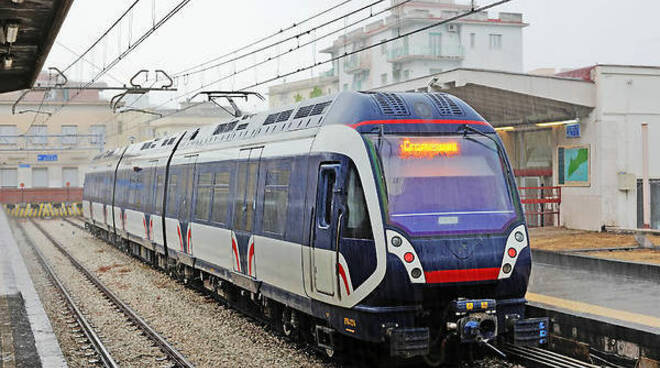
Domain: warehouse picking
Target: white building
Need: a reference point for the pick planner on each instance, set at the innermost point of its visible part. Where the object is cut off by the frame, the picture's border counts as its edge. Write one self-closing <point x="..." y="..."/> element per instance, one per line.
<point x="596" y="162"/>
<point x="475" y="41"/>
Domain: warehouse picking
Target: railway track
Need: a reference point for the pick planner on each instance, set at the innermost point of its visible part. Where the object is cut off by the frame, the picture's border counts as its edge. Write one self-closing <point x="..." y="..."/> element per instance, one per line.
<point x="530" y="357"/>
<point x="537" y="357"/>
<point x="105" y="358"/>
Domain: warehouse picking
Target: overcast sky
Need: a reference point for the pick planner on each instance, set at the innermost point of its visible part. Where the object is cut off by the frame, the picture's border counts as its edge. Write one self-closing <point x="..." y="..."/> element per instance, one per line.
<point x="561" y="33"/>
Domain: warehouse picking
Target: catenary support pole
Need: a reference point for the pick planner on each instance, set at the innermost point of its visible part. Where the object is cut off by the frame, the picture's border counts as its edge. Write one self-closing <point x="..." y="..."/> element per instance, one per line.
<point x="646" y="186"/>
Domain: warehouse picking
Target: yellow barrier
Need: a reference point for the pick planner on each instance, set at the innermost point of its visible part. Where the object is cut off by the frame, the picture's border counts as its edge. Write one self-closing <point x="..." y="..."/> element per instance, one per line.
<point x="44" y="209"/>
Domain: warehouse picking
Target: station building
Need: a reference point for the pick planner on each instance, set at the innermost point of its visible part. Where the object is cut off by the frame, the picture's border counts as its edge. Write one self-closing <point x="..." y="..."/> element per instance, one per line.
<point x="38" y="150"/>
<point x="578" y="130"/>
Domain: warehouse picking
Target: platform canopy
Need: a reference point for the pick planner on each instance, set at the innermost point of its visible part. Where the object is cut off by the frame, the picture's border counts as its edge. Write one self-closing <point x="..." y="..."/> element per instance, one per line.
<point x="510" y="99"/>
<point x="38" y="23"/>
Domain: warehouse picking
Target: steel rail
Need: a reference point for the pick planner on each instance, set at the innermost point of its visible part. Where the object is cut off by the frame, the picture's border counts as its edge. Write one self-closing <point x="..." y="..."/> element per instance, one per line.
<point x="538" y="357"/>
<point x="87" y="329"/>
<point x="162" y="343"/>
<point x="79" y="226"/>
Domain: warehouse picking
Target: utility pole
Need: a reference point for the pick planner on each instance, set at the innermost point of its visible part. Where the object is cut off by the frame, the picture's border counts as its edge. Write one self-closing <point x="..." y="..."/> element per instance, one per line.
<point x="646" y="186"/>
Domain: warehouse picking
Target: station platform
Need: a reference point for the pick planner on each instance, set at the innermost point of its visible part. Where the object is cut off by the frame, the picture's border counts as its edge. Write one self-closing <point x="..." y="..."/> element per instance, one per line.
<point x="26" y="335"/>
<point x="609" y="297"/>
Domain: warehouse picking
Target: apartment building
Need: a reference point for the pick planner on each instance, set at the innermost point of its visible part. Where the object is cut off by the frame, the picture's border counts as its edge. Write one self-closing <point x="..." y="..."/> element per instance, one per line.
<point x="40" y="150"/>
<point x="475" y="41"/>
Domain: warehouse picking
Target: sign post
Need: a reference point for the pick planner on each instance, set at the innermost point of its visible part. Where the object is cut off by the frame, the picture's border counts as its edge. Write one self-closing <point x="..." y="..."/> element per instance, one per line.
<point x="68" y="184"/>
<point x="22" y="192"/>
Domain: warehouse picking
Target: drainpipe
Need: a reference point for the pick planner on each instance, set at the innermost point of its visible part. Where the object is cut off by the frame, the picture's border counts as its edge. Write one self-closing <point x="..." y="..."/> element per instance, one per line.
<point x="646" y="187"/>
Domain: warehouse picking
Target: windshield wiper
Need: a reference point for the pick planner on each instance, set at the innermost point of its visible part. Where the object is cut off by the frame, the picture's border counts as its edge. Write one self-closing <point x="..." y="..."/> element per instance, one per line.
<point x="466" y="128"/>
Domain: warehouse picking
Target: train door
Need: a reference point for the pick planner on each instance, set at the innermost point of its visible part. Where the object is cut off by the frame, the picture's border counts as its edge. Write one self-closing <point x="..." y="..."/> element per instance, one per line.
<point x="245" y="206"/>
<point x="185" y="207"/>
<point x="325" y="234"/>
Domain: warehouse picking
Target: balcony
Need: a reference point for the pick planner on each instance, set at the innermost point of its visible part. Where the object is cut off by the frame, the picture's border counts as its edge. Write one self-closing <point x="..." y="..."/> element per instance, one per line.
<point x="424" y="52"/>
<point x="357" y="63"/>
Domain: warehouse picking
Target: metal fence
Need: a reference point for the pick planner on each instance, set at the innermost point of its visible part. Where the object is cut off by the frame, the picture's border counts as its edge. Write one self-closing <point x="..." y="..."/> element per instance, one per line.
<point x="541" y="205"/>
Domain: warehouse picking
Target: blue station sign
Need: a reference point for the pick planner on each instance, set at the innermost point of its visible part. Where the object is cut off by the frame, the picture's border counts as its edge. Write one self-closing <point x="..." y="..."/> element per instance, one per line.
<point x="573" y="131"/>
<point x="47" y="157"/>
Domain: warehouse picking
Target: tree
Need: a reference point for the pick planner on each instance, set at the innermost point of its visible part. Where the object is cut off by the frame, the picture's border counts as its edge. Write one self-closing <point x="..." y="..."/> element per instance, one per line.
<point x="316" y="92"/>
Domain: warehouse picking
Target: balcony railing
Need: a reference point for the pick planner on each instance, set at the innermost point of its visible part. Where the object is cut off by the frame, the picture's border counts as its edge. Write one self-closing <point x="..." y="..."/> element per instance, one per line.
<point x="357" y="62"/>
<point x="417" y="51"/>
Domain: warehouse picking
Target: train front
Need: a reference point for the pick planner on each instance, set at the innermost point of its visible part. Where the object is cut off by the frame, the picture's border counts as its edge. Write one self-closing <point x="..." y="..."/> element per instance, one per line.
<point x="457" y="242"/>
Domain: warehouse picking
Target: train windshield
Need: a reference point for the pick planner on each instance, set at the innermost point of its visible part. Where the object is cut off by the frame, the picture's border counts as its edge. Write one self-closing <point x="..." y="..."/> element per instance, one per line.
<point x="444" y="184"/>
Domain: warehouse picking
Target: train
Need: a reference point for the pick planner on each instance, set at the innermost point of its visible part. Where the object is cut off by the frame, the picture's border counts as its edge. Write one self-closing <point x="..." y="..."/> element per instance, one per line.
<point x="377" y="217"/>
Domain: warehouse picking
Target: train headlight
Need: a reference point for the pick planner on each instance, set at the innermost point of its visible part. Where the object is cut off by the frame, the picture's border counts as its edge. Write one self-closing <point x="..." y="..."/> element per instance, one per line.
<point x="399" y="246"/>
<point x="516" y="242"/>
<point x="519" y="236"/>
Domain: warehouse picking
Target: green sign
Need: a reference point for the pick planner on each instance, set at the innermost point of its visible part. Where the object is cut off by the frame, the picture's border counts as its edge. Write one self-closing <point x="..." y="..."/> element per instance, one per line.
<point x="573" y="165"/>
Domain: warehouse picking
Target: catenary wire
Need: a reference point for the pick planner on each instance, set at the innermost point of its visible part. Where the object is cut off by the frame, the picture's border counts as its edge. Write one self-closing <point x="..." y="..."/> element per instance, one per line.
<point x="346" y="54"/>
<point x="282" y="30"/>
<point x="144" y="36"/>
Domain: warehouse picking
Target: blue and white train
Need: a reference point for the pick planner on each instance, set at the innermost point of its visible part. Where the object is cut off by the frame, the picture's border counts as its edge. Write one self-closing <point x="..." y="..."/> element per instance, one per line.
<point x="390" y="218"/>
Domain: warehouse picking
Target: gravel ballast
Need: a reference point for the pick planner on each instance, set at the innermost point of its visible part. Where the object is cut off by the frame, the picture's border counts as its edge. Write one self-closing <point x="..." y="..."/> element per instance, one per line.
<point x="206" y="332"/>
<point x="125" y="343"/>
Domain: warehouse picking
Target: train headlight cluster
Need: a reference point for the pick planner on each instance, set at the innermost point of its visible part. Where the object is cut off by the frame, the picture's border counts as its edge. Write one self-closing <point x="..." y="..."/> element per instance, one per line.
<point x="515" y="243"/>
<point x="404" y="251"/>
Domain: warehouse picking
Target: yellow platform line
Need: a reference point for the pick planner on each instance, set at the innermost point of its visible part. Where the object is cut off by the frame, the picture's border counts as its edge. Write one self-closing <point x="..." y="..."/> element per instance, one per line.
<point x="597" y="310"/>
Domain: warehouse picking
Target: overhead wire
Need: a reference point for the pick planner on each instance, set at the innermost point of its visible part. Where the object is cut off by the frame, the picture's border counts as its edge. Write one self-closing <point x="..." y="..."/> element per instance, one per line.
<point x="253" y="43"/>
<point x="292" y="37"/>
<point x="107" y="31"/>
<point x="121" y="56"/>
<point x="346" y="54"/>
<point x="252" y="66"/>
<point x="185" y="76"/>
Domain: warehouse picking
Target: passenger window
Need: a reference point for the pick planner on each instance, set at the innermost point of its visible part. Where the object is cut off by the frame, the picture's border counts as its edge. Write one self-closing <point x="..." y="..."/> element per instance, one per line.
<point x="203" y="202"/>
<point x="328" y="178"/>
<point x="160" y="185"/>
<point x="244" y="202"/>
<point x="358" y="225"/>
<point x="251" y="193"/>
<point x="240" y="195"/>
<point x="275" y="200"/>
<point x="221" y="197"/>
<point x="171" y="195"/>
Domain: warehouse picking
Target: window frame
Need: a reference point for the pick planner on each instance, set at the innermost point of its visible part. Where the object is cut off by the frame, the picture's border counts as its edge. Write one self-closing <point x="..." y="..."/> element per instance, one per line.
<point x="279" y="165"/>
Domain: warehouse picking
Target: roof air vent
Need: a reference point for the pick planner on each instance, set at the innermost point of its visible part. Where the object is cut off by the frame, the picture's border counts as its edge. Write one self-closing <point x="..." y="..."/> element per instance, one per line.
<point x="391" y="104"/>
<point x="284" y="116"/>
<point x="445" y="105"/>
<point x="271" y="118"/>
<point x="303" y="112"/>
<point x="320" y="108"/>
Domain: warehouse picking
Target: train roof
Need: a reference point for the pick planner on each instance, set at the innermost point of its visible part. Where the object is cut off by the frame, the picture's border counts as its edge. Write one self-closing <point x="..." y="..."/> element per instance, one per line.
<point x="440" y="111"/>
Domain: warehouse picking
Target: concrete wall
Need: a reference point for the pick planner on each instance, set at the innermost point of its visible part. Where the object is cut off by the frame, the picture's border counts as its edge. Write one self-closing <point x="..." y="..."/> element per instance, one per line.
<point x="626" y="97"/>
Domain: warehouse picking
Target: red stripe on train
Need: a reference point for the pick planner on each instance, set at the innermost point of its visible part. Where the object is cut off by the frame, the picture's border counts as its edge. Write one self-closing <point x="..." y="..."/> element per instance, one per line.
<point x="178" y="231"/>
<point x="250" y="255"/>
<point x="419" y="121"/>
<point x="471" y="274"/>
<point x="342" y="273"/>
<point x="235" y="251"/>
